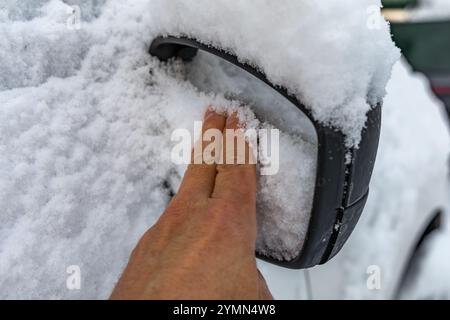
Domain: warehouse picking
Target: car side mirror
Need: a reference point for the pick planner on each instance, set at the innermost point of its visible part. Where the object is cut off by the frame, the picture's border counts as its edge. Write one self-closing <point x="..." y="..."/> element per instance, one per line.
<point x="342" y="173"/>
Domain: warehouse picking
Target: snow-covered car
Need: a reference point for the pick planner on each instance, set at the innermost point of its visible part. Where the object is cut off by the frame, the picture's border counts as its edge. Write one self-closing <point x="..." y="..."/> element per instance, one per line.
<point x="87" y="114"/>
<point x="421" y="28"/>
<point x="409" y="199"/>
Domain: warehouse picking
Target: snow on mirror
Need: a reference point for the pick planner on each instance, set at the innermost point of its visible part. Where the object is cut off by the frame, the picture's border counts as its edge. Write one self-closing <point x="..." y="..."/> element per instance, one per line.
<point x="284" y="199"/>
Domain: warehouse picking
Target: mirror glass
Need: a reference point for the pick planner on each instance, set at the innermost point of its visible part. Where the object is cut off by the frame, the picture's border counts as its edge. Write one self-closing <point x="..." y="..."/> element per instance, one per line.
<point x="285" y="196"/>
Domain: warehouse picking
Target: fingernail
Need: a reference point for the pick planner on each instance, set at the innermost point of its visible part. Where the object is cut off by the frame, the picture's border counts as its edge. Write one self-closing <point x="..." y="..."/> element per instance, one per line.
<point x="209" y="113"/>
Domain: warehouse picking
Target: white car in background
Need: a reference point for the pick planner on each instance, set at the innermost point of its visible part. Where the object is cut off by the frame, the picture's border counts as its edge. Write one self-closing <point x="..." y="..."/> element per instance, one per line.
<point x="408" y="199"/>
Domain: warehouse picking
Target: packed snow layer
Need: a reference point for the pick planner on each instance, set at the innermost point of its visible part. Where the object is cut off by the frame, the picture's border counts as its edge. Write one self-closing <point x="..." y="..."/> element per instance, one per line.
<point x="85" y="132"/>
<point x="283" y="211"/>
<point x="409" y="183"/>
<point x="335" y="55"/>
<point x="410" y="179"/>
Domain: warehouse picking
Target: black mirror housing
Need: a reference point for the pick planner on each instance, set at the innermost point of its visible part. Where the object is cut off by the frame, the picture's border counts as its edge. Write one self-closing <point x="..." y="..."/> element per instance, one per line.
<point x="342" y="185"/>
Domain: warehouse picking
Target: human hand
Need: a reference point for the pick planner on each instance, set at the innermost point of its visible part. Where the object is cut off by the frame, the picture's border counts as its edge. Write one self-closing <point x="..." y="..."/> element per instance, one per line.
<point x="203" y="245"/>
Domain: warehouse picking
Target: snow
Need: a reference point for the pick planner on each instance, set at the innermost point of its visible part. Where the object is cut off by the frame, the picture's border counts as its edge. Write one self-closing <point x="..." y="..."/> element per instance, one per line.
<point x="429" y="277"/>
<point x="388" y="218"/>
<point x="283" y="211"/>
<point x="84" y="127"/>
<point x="332" y="58"/>
<point x="410" y="181"/>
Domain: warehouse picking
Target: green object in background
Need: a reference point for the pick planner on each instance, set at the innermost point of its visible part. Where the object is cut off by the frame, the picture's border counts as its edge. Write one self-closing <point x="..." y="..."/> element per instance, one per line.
<point x="426" y="45"/>
<point x="399" y="3"/>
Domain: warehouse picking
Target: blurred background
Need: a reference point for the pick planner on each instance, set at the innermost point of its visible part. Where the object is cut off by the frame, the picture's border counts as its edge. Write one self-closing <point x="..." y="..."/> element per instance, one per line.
<point x="421" y="29"/>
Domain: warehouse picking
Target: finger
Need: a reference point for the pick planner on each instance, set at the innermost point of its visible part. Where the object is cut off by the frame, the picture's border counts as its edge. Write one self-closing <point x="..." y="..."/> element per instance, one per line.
<point x="236" y="178"/>
<point x="199" y="178"/>
<point x="263" y="292"/>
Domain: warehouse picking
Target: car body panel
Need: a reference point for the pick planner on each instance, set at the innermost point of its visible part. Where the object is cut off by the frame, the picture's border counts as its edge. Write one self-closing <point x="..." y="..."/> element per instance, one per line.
<point x="409" y="185"/>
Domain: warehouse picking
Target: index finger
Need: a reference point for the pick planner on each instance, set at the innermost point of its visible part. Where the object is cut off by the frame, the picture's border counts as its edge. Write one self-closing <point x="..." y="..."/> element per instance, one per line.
<point x="236" y="179"/>
<point x="198" y="180"/>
